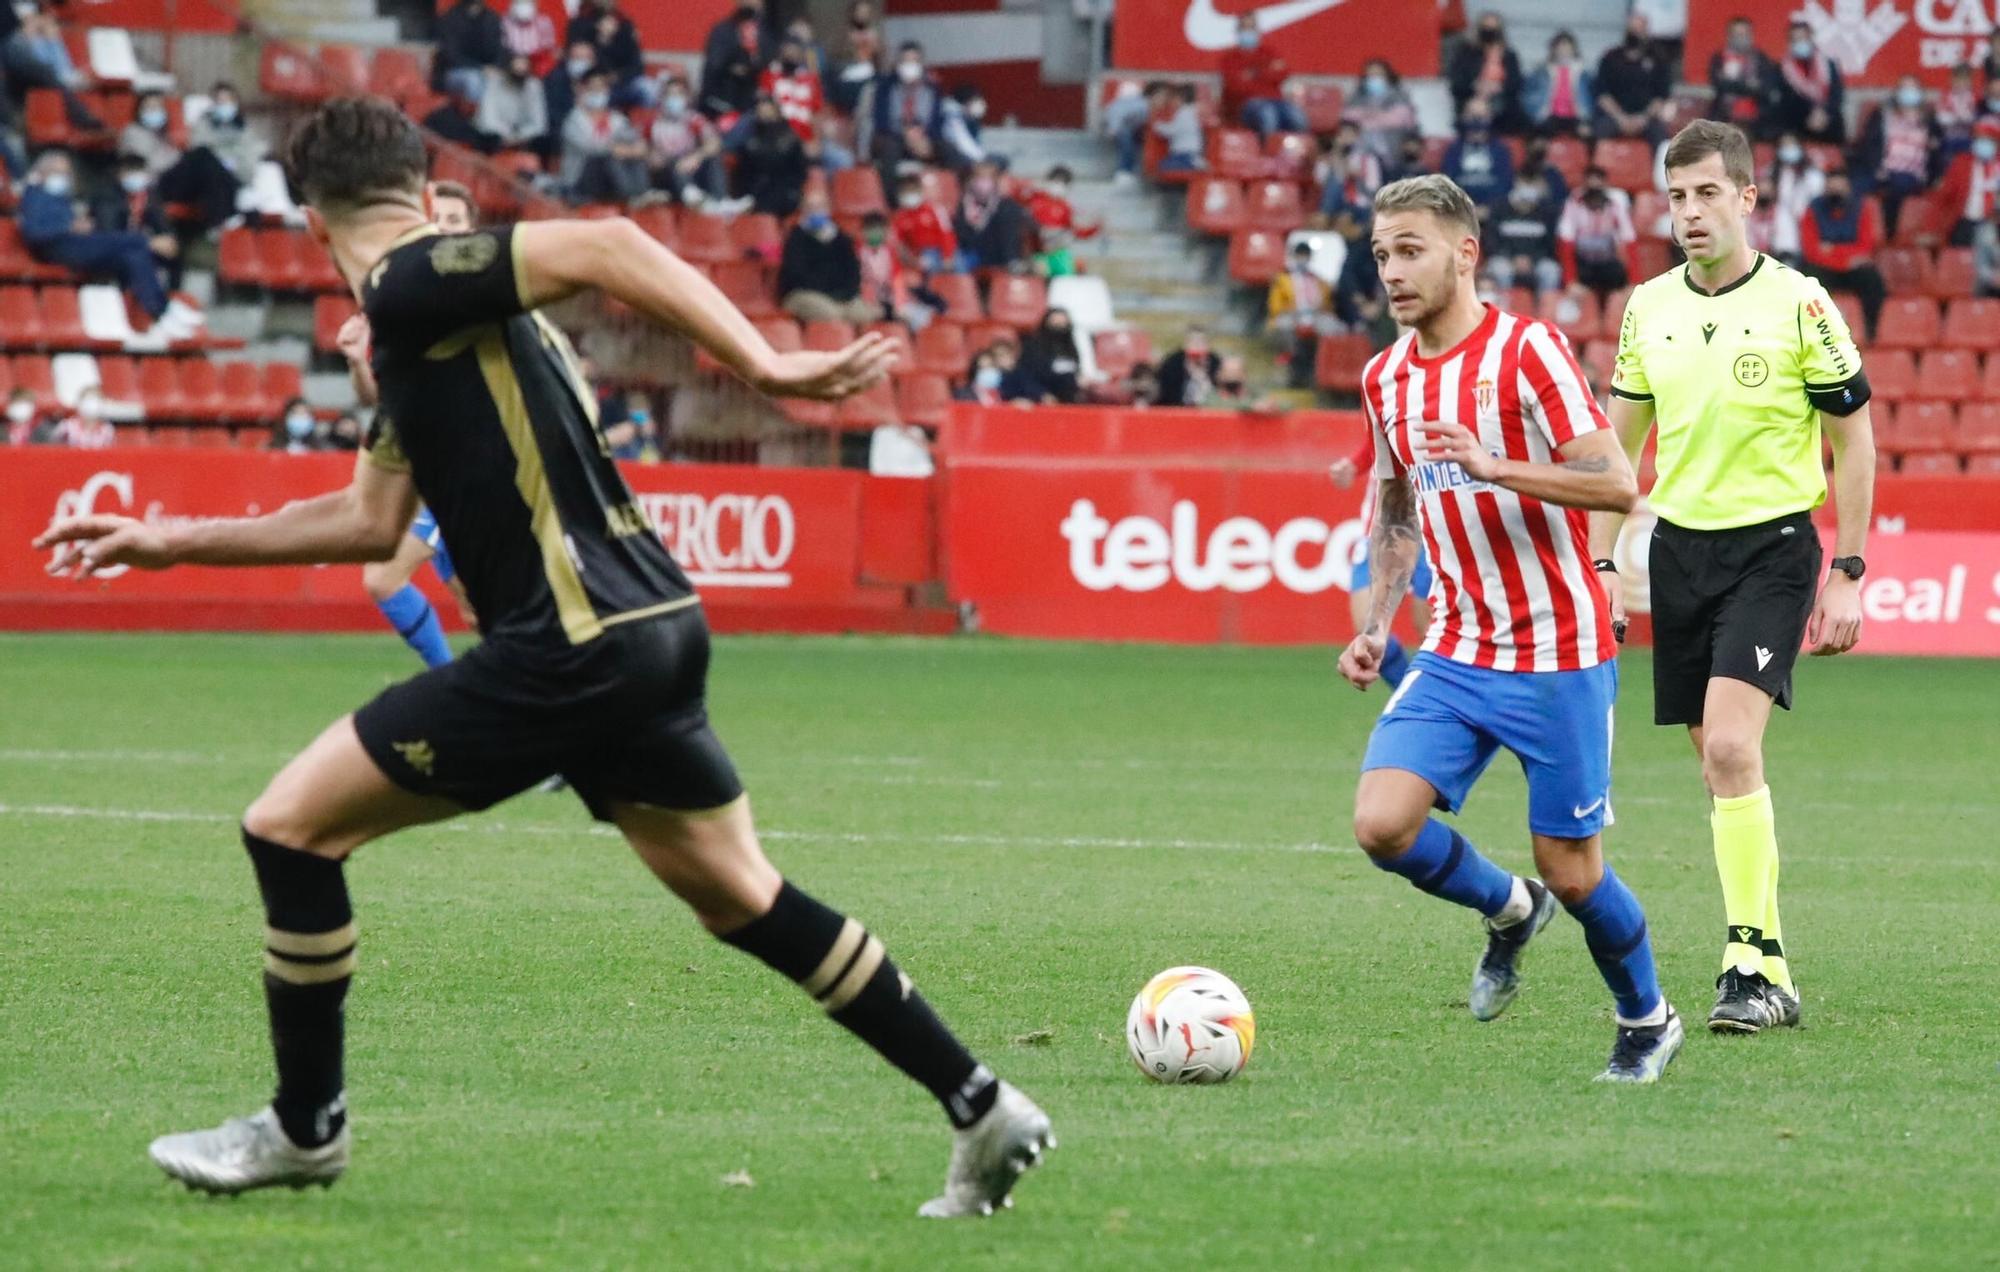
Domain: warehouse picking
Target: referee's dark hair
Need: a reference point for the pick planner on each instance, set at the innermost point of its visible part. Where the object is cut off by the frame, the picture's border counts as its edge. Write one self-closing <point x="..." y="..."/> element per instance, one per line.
<point x="353" y="152"/>
<point x="1705" y="137"/>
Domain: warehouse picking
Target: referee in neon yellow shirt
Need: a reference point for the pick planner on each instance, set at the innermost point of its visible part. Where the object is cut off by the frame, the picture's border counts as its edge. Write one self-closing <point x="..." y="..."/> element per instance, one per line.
<point x="1742" y="362"/>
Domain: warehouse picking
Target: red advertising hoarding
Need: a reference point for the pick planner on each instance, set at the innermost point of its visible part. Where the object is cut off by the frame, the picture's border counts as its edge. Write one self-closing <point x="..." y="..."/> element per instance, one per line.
<point x="1316" y="37"/>
<point x="1874" y="41"/>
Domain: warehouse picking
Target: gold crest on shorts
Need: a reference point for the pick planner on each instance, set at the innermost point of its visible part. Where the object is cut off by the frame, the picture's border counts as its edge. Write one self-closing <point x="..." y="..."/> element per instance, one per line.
<point x="464" y="253"/>
<point x="418" y="755"/>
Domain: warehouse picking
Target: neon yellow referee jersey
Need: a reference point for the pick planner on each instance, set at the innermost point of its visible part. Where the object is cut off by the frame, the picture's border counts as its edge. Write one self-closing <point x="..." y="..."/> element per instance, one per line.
<point x="1737" y="380"/>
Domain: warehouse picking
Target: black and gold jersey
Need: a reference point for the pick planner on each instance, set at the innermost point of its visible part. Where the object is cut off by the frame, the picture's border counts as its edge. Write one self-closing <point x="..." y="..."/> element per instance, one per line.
<point x="483" y="402"/>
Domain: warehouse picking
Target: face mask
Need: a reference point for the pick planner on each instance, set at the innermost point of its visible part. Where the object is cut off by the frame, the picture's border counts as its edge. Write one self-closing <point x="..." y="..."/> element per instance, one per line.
<point x="675" y="103"/>
<point x="223" y="112"/>
<point x="1836" y="194"/>
<point x="523" y="10"/>
<point x="133" y="182"/>
<point x="1059" y="189"/>
<point x="596" y="101"/>
<point x="909" y="72"/>
<point x="1059" y="332"/>
<point x="876" y="238"/>
<point x="1791" y="154"/>
<point x="816" y="222"/>
<point x="1375" y="83"/>
<point x="577" y="68"/>
<point x="1489" y="35"/>
<point x="1802" y="48"/>
<point x="1595" y="198"/>
<point x="909" y="199"/>
<point x="640" y="417"/>
<point x="789" y="65"/>
<point x="1634" y="40"/>
<point x="982" y="187"/>
<point x="987" y="378"/>
<point x="1742" y="43"/>
<point x="57" y="184"/>
<point x="1985" y="147"/>
<point x="153" y="117"/>
<point x="299" y="425"/>
<point x="1909" y="97"/>
<point x="1230" y="386"/>
<point x="976" y="108"/>
<point x="1246" y="39"/>
<point x="20" y="412"/>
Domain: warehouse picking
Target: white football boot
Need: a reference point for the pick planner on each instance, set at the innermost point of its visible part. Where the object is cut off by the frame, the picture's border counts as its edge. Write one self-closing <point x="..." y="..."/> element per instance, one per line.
<point x="248" y="1152"/>
<point x="990" y="1155"/>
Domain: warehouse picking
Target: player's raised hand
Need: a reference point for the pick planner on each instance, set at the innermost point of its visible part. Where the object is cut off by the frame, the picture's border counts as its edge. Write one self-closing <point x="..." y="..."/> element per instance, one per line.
<point x="85" y="545"/>
<point x="1446" y="440"/>
<point x="1835" y="625"/>
<point x="830" y="376"/>
<point x="1361" y="661"/>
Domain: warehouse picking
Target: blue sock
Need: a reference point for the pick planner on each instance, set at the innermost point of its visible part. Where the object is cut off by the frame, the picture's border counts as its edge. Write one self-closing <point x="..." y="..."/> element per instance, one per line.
<point x="1395" y="662"/>
<point x="1443" y="864"/>
<point x="1614" y="927"/>
<point x="410" y="613"/>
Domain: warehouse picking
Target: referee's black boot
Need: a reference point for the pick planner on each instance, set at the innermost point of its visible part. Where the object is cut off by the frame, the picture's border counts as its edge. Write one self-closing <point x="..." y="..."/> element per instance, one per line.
<point x="1744" y="1004"/>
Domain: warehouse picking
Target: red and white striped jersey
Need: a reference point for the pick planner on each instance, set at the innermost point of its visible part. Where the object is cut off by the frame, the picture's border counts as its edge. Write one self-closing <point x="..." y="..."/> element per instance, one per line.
<point x="1514" y="587"/>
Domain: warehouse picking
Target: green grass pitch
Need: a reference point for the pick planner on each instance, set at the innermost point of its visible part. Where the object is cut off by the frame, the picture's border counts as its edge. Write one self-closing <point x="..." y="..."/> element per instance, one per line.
<point x="552" y="1067"/>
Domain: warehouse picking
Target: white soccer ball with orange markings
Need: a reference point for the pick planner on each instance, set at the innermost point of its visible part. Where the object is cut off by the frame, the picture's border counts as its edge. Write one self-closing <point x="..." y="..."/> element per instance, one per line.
<point x="1190" y="1024"/>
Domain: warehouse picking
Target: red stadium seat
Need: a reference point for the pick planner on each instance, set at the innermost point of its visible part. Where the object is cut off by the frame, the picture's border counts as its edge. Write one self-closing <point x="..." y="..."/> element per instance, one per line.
<point x="237" y="259"/>
<point x="658" y="223"/>
<point x="940" y="186"/>
<point x="1518" y="300"/>
<point x="1273" y="205"/>
<point x="288" y="71"/>
<point x="1570" y="156"/>
<point x="283" y="381"/>
<point x="1954" y="276"/>
<point x="1892" y="373"/>
<point x="399" y="74"/>
<point x="33" y="372"/>
<point x="201" y="390"/>
<point x="748" y="286"/>
<point x="827" y="336"/>
<point x="284" y="264"/>
<point x="1905" y="270"/>
<point x="940" y="349"/>
<point x="1599" y="358"/>
<point x="1340" y="361"/>
<point x="118" y="378"/>
<point x="961" y="297"/>
<point x="47" y="120"/>
<point x="160" y="389"/>
<point x="1215" y="205"/>
<point x="1948" y="375"/>
<point x="1654" y="259"/>
<point x="1256" y="256"/>
<point x="1578" y="314"/>
<point x="1614" y="312"/>
<point x="1932" y="464"/>
<point x="242" y="390"/>
<point x="1323" y="104"/>
<point x="705" y="237"/>
<point x="1017" y="299"/>
<point x="21" y="318"/>
<point x="1651" y="214"/>
<point x="756" y="234"/>
<point x="1972" y="324"/>
<point x="906" y="349"/>
<point x="1627" y="163"/>
<point x="873" y="405"/>
<point x="345" y="67"/>
<point x="857" y="191"/>
<point x="1920" y="426"/>
<point x="923" y="399"/>
<point x="1978" y="427"/>
<point x="62" y="319"/>
<point x="1235" y="153"/>
<point x="1851" y="313"/>
<point x="329" y="313"/>
<point x="1289" y="157"/>
<point x="1920" y="223"/>
<point x="1120" y="349"/>
<point x="1986" y="465"/>
<point x="1908" y="322"/>
<point x="318" y="272"/>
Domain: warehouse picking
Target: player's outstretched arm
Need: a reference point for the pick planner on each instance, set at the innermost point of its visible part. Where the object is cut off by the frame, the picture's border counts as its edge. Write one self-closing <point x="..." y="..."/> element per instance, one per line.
<point x="1594" y="472"/>
<point x="1394" y="547"/>
<point x="1835" y="626"/>
<point x="362" y="522"/>
<point x="558" y="259"/>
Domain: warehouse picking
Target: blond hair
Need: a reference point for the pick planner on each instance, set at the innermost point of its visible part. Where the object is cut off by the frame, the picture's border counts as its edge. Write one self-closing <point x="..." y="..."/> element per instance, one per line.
<point x="1434" y="193"/>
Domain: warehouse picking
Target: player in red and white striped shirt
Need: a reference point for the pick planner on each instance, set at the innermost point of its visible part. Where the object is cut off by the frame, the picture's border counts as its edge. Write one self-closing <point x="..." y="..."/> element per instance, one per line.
<point x="1489" y="449"/>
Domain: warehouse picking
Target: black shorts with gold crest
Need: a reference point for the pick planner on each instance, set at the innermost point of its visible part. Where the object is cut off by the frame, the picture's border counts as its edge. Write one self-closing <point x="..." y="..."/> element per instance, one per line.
<point x="623" y="718"/>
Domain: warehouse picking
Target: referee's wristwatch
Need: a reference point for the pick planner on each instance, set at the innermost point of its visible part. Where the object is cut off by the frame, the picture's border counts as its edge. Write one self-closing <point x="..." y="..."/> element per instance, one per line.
<point x="1852" y="566"/>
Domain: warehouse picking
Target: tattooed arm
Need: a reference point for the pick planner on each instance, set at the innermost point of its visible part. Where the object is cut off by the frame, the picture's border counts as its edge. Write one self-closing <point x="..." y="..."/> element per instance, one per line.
<point x="1394" y="548"/>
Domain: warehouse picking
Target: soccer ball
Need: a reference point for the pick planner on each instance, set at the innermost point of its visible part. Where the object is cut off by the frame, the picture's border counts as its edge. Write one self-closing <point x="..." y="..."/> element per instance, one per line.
<point x="1190" y="1024"/>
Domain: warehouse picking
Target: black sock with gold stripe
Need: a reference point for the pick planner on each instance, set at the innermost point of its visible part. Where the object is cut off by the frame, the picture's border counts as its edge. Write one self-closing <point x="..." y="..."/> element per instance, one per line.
<point x="308" y="962"/>
<point x="847" y="972"/>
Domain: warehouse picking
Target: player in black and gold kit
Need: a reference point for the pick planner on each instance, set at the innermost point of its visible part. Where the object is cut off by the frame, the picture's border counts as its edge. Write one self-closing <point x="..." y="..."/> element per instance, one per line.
<point x="594" y="655"/>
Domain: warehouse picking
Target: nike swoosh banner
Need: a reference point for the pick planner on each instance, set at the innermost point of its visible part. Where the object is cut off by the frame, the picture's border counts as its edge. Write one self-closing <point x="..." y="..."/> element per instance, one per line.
<point x="1874" y="41"/>
<point x="1315" y="37"/>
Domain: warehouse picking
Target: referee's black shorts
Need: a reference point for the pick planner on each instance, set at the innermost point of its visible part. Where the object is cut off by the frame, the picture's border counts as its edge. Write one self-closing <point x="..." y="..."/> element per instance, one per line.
<point x="1729" y="603"/>
<point x="623" y="717"/>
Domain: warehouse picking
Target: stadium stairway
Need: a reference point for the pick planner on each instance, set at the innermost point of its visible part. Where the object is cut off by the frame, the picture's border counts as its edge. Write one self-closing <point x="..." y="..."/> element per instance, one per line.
<point x="345" y="21"/>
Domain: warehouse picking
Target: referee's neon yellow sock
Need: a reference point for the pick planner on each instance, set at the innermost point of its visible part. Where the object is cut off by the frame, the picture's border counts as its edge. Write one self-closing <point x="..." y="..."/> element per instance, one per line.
<point x="1746" y="858"/>
<point x="1776" y="969"/>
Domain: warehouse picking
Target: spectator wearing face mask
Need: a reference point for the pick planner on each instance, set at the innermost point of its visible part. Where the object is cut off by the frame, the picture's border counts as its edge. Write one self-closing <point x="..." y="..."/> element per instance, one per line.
<point x="560" y="88"/>
<point x="468" y="41"/>
<point x="861" y="57"/>
<point x="1181" y="129"/>
<point x="1900" y="148"/>
<point x="1187" y="375"/>
<point x="513" y="109"/>
<point x="1478" y="161"/>
<point x="1634" y="87"/>
<point x="25" y="425"/>
<point x="345" y="433"/>
<point x="1972" y="184"/>
<point x="85" y="427"/>
<point x="135" y="208"/>
<point x="146" y="136"/>
<point x="604" y="157"/>
<point x="634" y="437"/>
<point x="525" y="31"/>
<point x="1520" y="239"/>
<point x="961" y="121"/>
<point x="898" y="122"/>
<point x="739" y="47"/>
<point x="1049" y="357"/>
<point x="1812" y="97"/>
<point x="1838" y="238"/>
<point x="1744" y="80"/>
<point x="1347" y="173"/>
<point x="794" y="85"/>
<point x="771" y="162"/>
<point x="1485" y="69"/>
<point x="819" y="272"/>
<point x="1792" y="185"/>
<point x="1382" y="111"/>
<point x="1595" y="240"/>
<point x="1297" y="309"/>
<point x="34" y="56"/>
<point x="1956" y="111"/>
<point x="1535" y="166"/>
<point x="296" y="430"/>
<point x="456" y="119"/>
<point x="616" y="40"/>
<point x="923" y="229"/>
<point x="1253" y="84"/>
<point x="222" y="156"/>
<point x="982" y="381"/>
<point x="992" y="229"/>
<point x="686" y="149"/>
<point x="1056" y="228"/>
<point x="1561" y="95"/>
<point x="885" y="283"/>
<point x="58" y="229"/>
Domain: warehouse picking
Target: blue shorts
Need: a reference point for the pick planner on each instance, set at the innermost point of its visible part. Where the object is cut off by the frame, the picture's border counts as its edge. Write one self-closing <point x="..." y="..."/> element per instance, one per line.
<point x="1420" y="581"/>
<point x="425" y="530"/>
<point x="1447" y="719"/>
